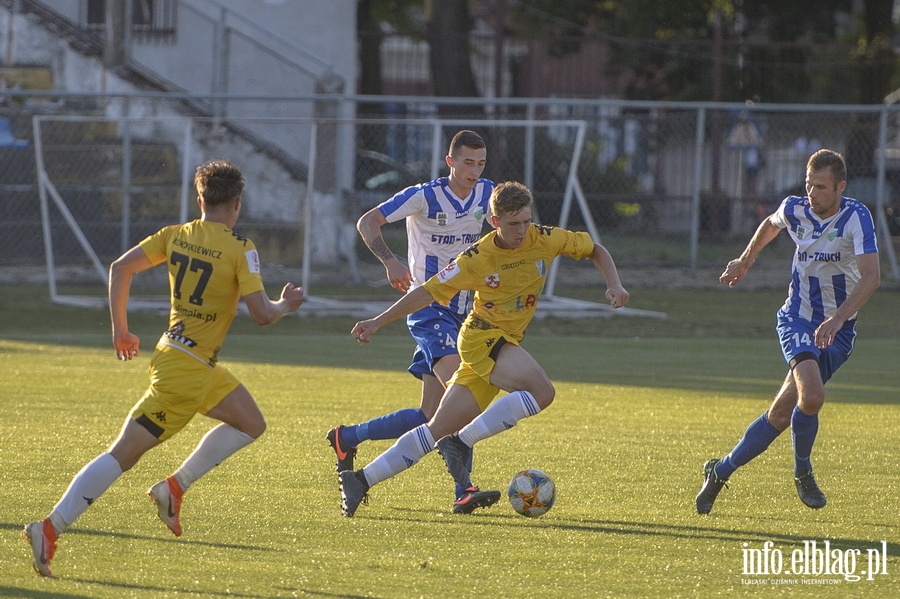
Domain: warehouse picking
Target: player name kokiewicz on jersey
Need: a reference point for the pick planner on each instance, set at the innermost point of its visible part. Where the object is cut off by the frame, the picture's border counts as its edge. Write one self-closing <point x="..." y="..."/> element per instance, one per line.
<point x="815" y="562"/>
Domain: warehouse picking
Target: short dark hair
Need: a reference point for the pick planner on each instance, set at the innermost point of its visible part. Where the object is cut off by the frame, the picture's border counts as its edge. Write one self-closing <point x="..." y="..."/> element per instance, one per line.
<point x="466" y="138"/>
<point x="828" y="159"/>
<point x="218" y="182"/>
<point x="510" y="197"/>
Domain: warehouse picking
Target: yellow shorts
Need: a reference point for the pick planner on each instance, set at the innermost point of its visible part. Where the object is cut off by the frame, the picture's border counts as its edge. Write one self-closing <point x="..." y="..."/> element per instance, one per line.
<point x="180" y="386"/>
<point x="478" y="349"/>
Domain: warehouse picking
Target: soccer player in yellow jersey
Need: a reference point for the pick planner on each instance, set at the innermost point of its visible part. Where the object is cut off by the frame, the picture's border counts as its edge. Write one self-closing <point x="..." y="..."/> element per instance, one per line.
<point x="506" y="268"/>
<point x="210" y="269"/>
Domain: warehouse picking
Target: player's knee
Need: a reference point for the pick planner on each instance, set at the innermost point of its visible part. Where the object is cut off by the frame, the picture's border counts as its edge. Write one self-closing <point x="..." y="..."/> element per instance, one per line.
<point x="256" y="428"/>
<point x="811" y="402"/>
<point x="428" y="410"/>
<point x="544" y="394"/>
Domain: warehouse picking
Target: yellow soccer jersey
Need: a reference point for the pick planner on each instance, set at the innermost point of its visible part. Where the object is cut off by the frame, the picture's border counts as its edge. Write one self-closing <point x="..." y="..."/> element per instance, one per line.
<point x="507" y="282"/>
<point x="210" y="268"/>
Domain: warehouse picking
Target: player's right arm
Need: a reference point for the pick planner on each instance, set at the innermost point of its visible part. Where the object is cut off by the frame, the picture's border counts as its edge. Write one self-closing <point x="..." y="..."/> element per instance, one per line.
<point x="121" y="272"/>
<point x="369" y="227"/>
<point x="415" y="300"/>
<point x="737" y="269"/>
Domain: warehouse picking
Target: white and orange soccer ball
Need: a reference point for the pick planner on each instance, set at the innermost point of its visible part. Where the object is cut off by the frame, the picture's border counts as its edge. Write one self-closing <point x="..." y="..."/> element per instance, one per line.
<point x="531" y="492"/>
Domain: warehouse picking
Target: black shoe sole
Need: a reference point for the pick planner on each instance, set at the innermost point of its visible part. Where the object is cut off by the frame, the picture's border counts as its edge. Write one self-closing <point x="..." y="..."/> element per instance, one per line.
<point x="486" y="501"/>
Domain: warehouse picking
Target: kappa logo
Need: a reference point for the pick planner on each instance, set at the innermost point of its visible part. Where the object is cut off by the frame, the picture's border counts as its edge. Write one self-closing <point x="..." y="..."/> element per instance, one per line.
<point x="492" y="281"/>
<point x="161" y="416"/>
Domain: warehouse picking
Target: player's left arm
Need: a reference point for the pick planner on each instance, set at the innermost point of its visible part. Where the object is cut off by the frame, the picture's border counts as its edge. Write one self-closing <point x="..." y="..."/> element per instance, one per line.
<point x="135" y="260"/>
<point x="616" y="295"/>
<point x="869" y="281"/>
<point x="265" y="311"/>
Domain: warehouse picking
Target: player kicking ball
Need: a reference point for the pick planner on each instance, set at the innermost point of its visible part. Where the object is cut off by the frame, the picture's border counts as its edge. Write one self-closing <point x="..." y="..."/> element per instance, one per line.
<point x="834" y="273"/>
<point x="506" y="269"/>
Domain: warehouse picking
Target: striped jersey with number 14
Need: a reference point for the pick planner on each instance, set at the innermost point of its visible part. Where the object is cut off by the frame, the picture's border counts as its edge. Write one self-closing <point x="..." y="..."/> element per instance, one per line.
<point x="824" y="270"/>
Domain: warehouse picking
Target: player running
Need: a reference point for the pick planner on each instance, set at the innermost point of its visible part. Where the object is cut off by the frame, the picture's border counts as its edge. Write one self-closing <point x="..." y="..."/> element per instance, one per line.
<point x="834" y="272"/>
<point x="210" y="269"/>
<point x="443" y="218"/>
<point x="506" y="269"/>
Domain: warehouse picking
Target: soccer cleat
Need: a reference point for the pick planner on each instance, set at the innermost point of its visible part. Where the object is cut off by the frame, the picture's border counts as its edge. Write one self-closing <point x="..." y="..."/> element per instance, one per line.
<point x="167" y="496"/>
<point x="42" y="538"/>
<point x="353" y="491"/>
<point x="457" y="455"/>
<point x="344" y="454"/>
<point x="712" y="484"/>
<point x="473" y="498"/>
<point x="809" y="492"/>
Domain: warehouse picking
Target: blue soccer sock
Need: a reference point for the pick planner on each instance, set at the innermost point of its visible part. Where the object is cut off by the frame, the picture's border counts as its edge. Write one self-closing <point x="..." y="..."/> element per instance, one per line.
<point x="804" y="428"/>
<point x="389" y="426"/>
<point x="757" y="438"/>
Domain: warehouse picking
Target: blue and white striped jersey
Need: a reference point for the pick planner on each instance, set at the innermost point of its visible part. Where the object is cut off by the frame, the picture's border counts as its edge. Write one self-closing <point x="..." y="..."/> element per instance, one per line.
<point x="439" y="226"/>
<point x="824" y="270"/>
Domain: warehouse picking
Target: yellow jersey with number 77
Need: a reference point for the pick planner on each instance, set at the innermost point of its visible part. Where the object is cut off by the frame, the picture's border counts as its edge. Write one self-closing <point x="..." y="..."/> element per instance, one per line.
<point x="210" y="269"/>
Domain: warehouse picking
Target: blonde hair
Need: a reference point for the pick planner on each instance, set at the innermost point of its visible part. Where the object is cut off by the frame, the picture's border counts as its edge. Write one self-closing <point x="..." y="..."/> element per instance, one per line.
<point x="509" y="198"/>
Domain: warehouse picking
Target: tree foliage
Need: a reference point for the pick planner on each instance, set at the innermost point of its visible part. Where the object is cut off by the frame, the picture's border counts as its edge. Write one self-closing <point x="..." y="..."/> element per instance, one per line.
<point x="798" y="51"/>
<point x="730" y="50"/>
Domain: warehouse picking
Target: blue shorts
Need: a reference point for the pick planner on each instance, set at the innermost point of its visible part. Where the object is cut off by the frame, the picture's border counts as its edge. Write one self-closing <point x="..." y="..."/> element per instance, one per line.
<point x="435" y="329"/>
<point x="797" y="335"/>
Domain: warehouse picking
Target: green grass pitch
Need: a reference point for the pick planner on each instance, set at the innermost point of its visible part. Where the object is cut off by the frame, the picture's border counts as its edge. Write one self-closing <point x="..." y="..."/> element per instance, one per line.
<point x="640" y="406"/>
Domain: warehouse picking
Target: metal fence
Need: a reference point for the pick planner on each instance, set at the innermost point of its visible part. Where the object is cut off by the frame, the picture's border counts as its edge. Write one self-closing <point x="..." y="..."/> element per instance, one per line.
<point x="666" y="184"/>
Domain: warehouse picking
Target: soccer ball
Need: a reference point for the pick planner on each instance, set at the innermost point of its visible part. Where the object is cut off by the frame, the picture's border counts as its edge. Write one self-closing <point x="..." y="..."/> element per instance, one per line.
<point x="531" y="493"/>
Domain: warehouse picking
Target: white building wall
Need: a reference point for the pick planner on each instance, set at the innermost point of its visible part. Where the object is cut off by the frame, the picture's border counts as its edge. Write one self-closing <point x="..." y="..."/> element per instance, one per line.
<point x="327" y="29"/>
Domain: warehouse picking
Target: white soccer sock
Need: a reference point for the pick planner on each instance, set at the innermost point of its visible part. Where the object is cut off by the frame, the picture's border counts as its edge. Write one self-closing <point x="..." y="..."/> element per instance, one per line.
<point x="89" y="484"/>
<point x="409" y="449"/>
<point x="213" y="449"/>
<point x="502" y="414"/>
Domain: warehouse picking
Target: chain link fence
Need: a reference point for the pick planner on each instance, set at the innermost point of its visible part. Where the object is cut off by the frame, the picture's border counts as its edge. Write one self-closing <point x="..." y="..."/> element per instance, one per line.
<point x="666" y="185"/>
